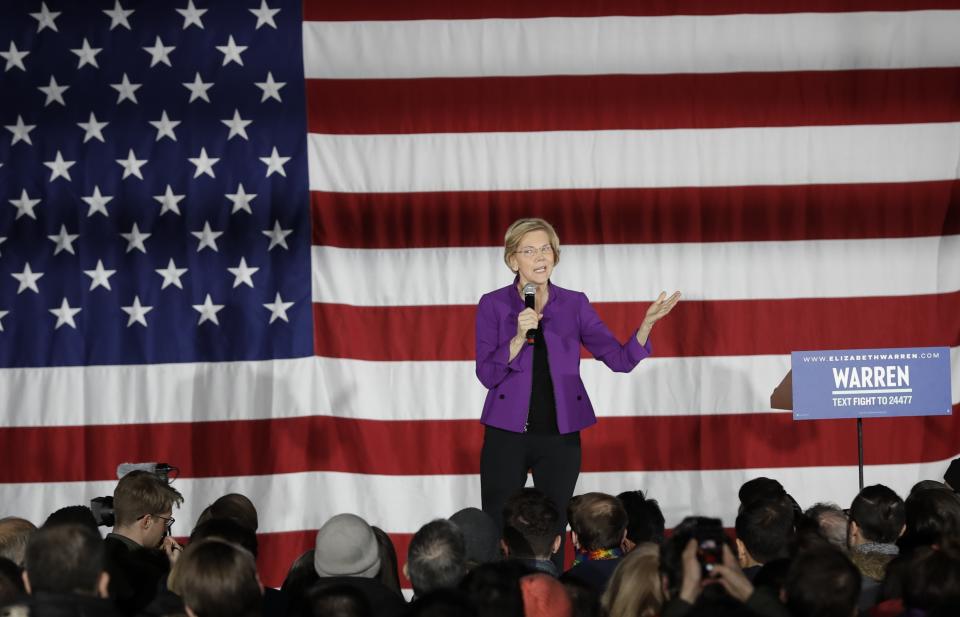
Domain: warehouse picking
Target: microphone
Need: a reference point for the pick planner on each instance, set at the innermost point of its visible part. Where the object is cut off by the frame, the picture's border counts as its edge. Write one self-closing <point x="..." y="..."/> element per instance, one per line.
<point x="530" y="300"/>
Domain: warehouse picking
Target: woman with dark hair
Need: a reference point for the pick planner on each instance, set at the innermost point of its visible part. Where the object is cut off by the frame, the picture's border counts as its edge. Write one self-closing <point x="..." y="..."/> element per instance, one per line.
<point x="529" y="335"/>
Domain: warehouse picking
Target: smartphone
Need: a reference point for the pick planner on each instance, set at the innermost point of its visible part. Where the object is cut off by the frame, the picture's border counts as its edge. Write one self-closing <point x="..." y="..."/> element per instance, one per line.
<point x="710" y="538"/>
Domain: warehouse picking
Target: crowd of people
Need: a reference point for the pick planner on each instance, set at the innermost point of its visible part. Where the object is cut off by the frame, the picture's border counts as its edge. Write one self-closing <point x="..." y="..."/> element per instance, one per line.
<point x="883" y="556"/>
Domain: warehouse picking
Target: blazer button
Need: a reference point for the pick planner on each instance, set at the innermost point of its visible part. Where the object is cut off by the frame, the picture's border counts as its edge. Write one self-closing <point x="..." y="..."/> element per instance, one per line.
<point x="501" y="396"/>
<point x="579" y="397"/>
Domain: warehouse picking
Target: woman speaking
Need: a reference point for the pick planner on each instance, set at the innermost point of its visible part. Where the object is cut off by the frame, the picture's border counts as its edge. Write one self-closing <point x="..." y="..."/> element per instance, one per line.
<point x="528" y="357"/>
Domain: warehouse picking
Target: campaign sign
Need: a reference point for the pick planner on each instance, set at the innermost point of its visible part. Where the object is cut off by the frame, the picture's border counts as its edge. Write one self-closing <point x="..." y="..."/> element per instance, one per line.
<point x="871" y="383"/>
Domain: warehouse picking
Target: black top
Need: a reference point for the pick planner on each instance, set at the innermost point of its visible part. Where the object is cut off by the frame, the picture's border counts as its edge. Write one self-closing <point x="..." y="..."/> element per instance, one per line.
<point x="542" y="419"/>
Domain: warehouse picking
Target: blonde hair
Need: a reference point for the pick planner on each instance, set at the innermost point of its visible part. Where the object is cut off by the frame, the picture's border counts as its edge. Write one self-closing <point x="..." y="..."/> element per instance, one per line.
<point x="521" y="227"/>
<point x="634" y="589"/>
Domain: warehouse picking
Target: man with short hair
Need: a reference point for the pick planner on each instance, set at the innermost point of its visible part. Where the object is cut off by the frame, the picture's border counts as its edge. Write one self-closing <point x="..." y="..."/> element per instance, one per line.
<point x="436" y="558"/>
<point x="219" y="579"/>
<point x="531" y="530"/>
<point x="831" y="523"/>
<point x="598" y="526"/>
<point x="822" y="583"/>
<point x="143" y="507"/>
<point x="877" y="519"/>
<point x="764" y="530"/>
<point x="645" y="522"/>
<point x="14" y="535"/>
<point x="64" y="572"/>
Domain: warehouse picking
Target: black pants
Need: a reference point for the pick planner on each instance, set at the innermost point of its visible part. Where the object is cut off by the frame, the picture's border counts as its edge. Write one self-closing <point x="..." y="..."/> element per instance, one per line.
<point x="505" y="459"/>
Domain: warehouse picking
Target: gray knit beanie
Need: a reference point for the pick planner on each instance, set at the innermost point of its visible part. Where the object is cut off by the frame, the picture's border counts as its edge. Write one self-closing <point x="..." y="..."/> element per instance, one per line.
<point x="346" y="546"/>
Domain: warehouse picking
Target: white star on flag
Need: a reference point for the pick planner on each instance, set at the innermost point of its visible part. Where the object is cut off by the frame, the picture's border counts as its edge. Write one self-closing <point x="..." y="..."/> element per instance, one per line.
<point x="242" y="274"/>
<point x="63" y="240"/>
<point x="271" y="89"/>
<point x="135" y="239"/>
<point x="198" y="89"/>
<point x="54" y="92"/>
<point x="99" y="276"/>
<point x="14" y="58"/>
<point x="169" y="201"/>
<point x="231" y="52"/>
<point x="87" y="54"/>
<point x="237" y="125"/>
<point x="118" y="16"/>
<point x="165" y="126"/>
<point x="171" y="275"/>
<point x="127" y="91"/>
<point x="59" y="168"/>
<point x="65" y="315"/>
<point x="192" y="15"/>
<point x="207" y="237"/>
<point x="45" y="18"/>
<point x="275" y="163"/>
<point x="137" y="312"/>
<point x="278" y="309"/>
<point x="264" y="15"/>
<point x="97" y="202"/>
<point x="2" y="240"/>
<point x="277" y="235"/>
<point x="208" y="311"/>
<point x="93" y="129"/>
<point x="21" y="131"/>
<point x="2" y="315"/>
<point x="159" y="53"/>
<point x="131" y="165"/>
<point x="28" y="279"/>
<point x="241" y="200"/>
<point x="25" y="205"/>
<point x="204" y="164"/>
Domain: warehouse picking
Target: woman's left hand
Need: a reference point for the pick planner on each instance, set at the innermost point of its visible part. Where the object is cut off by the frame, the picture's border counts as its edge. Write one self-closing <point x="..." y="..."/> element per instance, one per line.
<point x="660" y="308"/>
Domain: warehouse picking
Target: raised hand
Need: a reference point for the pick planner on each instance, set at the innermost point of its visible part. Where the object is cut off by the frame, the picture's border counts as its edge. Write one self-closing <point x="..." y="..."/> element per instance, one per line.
<point x="659" y="309"/>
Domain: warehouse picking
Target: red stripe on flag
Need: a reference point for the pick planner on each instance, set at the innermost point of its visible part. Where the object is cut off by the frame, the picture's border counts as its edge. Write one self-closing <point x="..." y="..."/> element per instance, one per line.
<point x="455" y="105"/>
<point x="695" y="328"/>
<point x="619" y="216"/>
<point x="323" y="10"/>
<point x="408" y="447"/>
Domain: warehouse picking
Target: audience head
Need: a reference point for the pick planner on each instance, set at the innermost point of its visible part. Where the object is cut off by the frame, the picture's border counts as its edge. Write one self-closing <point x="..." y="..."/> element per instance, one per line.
<point x="932" y="519"/>
<point x="387" y="574"/>
<point x="233" y="506"/>
<point x="339" y="600"/>
<point x="480" y="534"/>
<point x="436" y="558"/>
<point x="598" y="521"/>
<point x="14" y="534"/>
<point x="876" y="516"/>
<point x="219" y="579"/>
<point x="760" y="489"/>
<point x="822" y="583"/>
<point x="494" y="589"/>
<point x="927" y="485"/>
<point x="764" y="530"/>
<point x="299" y="580"/>
<point x="11" y="582"/>
<point x="531" y="525"/>
<point x="544" y="596"/>
<point x="442" y="603"/>
<point x="634" y="589"/>
<point x="65" y="559"/>
<point x="346" y="546"/>
<point x="143" y="505"/>
<point x="73" y="515"/>
<point x="228" y="530"/>
<point x="831" y="523"/>
<point x="645" y="521"/>
<point x="932" y="580"/>
<point x="952" y="476"/>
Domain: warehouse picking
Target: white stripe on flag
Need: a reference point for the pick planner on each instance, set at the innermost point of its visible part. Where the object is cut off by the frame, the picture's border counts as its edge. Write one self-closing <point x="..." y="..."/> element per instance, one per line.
<point x="627" y="45"/>
<point x="292" y="502"/>
<point x="638" y="272"/>
<point x="633" y="158"/>
<point x="374" y="390"/>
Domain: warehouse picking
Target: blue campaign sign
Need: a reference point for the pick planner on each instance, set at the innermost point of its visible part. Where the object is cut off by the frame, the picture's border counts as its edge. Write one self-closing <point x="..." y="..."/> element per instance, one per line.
<point x="871" y="383"/>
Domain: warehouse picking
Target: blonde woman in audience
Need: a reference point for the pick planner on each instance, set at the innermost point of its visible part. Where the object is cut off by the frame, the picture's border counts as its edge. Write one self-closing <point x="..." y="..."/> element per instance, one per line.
<point x="634" y="589"/>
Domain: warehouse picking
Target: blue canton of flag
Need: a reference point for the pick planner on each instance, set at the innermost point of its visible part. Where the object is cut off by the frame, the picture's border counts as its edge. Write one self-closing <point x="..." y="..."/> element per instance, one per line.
<point x="154" y="189"/>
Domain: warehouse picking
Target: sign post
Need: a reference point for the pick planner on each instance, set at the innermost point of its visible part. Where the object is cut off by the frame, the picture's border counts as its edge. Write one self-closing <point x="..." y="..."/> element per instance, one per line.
<point x="870" y="383"/>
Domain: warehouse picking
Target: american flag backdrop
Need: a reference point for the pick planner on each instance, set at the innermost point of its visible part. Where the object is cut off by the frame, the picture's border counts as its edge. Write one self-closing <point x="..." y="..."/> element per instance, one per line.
<point x="247" y="238"/>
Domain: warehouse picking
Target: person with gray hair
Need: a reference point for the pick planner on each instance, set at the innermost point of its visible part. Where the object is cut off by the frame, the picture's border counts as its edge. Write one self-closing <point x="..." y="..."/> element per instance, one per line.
<point x="14" y="534"/>
<point x="437" y="557"/>
<point x="831" y="523"/>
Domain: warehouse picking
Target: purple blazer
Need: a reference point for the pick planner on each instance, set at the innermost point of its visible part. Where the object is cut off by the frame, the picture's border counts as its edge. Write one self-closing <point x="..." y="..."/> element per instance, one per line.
<point x="568" y="320"/>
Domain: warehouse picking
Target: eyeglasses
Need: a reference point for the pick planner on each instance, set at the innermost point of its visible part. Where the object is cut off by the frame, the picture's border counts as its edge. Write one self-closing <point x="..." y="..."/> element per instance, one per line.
<point x="529" y="251"/>
<point x="167" y="522"/>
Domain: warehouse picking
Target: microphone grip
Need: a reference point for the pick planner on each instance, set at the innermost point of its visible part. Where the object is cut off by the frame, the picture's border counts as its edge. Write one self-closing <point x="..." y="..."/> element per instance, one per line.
<point x="530" y="301"/>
